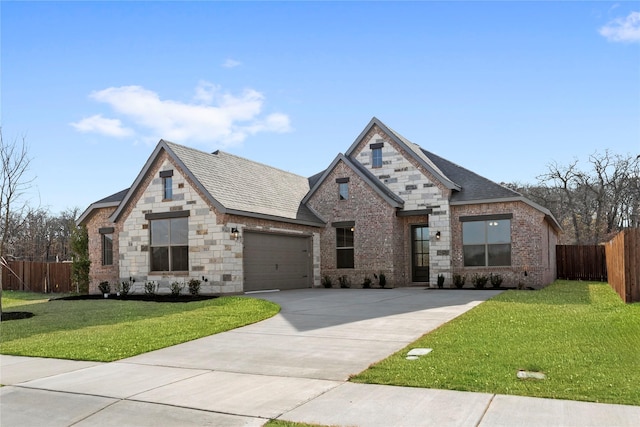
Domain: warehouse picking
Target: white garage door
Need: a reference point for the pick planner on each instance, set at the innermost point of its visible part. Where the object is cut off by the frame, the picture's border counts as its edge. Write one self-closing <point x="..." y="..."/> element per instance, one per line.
<point x="276" y="261"/>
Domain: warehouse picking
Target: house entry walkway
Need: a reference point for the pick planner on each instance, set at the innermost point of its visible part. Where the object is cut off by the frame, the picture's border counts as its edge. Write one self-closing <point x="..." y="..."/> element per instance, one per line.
<point x="293" y="366"/>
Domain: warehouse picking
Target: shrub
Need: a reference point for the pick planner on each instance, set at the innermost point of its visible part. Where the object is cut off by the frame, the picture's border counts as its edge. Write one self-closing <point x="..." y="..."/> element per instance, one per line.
<point x="458" y="280"/>
<point x="104" y="287"/>
<point x="496" y="280"/>
<point x="479" y="281"/>
<point x="150" y="287"/>
<point x="344" y="282"/>
<point x="176" y="288"/>
<point x="366" y="283"/>
<point x="194" y="286"/>
<point x="326" y="282"/>
<point x="126" y="287"/>
<point x="440" y="281"/>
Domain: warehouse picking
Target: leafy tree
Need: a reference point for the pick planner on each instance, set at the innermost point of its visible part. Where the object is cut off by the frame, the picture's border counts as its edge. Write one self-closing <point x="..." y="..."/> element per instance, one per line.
<point x="81" y="262"/>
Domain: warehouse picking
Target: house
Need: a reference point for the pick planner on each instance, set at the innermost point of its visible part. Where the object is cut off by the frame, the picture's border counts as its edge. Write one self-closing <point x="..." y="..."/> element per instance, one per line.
<point x="384" y="206"/>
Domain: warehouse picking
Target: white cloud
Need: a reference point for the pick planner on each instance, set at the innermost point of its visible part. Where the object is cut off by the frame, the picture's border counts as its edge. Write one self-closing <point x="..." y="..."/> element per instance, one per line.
<point x="231" y="63"/>
<point x="623" y="29"/>
<point x="213" y="116"/>
<point x="99" y="124"/>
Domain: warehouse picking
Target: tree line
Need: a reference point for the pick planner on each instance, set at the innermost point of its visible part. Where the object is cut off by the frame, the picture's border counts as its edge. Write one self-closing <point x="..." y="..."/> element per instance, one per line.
<point x="592" y="201"/>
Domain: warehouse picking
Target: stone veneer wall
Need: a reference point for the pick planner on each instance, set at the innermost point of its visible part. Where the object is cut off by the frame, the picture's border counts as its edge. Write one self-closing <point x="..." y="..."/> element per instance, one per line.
<point x="419" y="190"/>
<point x="213" y="253"/>
<point x="532" y="240"/>
<point x="376" y="230"/>
<point x="99" y="218"/>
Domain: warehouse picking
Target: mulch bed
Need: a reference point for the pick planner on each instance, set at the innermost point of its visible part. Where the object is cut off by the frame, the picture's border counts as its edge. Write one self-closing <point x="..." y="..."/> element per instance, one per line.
<point x="139" y="297"/>
<point x="16" y="315"/>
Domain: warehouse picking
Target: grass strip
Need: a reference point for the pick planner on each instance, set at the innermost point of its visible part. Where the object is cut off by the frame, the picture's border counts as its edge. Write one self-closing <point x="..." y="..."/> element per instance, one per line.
<point x="580" y="335"/>
<point x="108" y="330"/>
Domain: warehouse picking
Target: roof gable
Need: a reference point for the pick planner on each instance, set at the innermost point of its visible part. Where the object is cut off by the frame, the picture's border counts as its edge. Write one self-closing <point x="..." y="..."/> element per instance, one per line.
<point x="384" y="192"/>
<point x="411" y="148"/>
<point x="236" y="185"/>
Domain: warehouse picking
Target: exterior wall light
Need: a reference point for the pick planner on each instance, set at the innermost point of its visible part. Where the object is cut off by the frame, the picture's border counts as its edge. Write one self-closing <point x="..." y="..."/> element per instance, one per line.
<point x="437" y="235"/>
<point x="235" y="233"/>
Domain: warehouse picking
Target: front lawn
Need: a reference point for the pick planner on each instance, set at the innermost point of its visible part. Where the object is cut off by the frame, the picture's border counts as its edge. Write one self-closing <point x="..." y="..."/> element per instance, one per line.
<point x="580" y="335"/>
<point x="108" y="330"/>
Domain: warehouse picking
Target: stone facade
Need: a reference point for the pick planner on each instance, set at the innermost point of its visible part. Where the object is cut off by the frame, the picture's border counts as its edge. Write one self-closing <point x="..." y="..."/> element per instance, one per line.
<point x="420" y="190"/>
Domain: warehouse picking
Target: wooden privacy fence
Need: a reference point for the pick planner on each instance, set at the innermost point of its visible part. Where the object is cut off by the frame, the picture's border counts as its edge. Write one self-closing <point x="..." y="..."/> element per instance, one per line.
<point x="623" y="262"/>
<point x="581" y="262"/>
<point x="37" y="276"/>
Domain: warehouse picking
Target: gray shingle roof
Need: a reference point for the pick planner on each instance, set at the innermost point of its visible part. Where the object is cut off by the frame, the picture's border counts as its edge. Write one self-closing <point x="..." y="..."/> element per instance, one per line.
<point x="117" y="197"/>
<point x="243" y="186"/>
<point x="473" y="186"/>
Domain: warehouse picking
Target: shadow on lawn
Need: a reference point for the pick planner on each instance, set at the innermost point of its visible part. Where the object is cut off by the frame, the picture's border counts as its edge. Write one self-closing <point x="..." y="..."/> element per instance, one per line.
<point x="560" y="293"/>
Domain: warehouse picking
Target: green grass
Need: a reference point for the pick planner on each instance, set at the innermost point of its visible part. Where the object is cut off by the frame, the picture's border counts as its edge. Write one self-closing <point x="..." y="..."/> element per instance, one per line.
<point x="108" y="330"/>
<point x="581" y="335"/>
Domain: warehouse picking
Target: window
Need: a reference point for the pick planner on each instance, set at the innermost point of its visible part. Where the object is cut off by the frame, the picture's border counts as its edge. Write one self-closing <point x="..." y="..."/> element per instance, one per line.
<point x="343" y="190"/>
<point x="344" y="247"/>
<point x="167" y="184"/>
<point x="376" y="158"/>
<point x="107" y="249"/>
<point x="169" y="244"/>
<point x="487" y="242"/>
<point x="167" y="188"/>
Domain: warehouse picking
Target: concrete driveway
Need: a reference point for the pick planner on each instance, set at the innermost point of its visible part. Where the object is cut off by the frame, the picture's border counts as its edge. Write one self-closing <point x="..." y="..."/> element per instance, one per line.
<point x="292" y="366"/>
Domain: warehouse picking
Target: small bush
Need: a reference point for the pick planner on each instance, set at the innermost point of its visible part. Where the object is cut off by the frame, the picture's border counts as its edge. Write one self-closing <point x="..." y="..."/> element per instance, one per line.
<point x="440" y="281"/>
<point x="382" y="280"/>
<point x="150" y="287"/>
<point x="344" y="282"/>
<point x="104" y="287"/>
<point x="496" y="280"/>
<point x="366" y="283"/>
<point x="176" y="288"/>
<point x="194" y="286"/>
<point x="326" y="282"/>
<point x="479" y="281"/>
<point x="458" y="280"/>
<point x="126" y="287"/>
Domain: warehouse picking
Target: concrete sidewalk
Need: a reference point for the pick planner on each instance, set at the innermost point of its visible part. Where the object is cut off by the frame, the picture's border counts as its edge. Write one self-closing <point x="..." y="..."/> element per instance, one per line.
<point x="293" y="367"/>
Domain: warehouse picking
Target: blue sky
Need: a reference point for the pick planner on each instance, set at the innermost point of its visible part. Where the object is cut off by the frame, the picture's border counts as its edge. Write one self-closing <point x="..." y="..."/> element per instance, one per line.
<point x="501" y="88"/>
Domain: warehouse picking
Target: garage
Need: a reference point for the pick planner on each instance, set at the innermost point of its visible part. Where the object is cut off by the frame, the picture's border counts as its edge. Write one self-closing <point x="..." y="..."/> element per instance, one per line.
<point x="276" y="261"/>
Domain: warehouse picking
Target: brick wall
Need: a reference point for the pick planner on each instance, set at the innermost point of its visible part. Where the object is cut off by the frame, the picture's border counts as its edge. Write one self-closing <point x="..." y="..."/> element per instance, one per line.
<point x="532" y="244"/>
<point x="420" y="190"/>
<point x="377" y="231"/>
<point x="99" y="218"/>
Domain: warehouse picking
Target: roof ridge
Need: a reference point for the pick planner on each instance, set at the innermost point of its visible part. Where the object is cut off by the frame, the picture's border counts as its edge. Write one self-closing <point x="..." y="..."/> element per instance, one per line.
<point x="226" y="153"/>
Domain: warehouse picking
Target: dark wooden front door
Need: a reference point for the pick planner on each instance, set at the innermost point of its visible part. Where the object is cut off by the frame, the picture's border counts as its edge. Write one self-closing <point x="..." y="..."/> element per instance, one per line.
<point x="420" y="253"/>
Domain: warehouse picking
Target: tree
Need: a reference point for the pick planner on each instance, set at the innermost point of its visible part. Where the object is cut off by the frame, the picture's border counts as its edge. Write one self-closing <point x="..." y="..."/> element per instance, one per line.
<point x="591" y="204"/>
<point x="81" y="262"/>
<point x="13" y="184"/>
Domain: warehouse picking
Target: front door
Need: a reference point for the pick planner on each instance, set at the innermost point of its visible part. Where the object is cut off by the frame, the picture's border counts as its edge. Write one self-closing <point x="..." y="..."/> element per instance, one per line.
<point x="420" y="253"/>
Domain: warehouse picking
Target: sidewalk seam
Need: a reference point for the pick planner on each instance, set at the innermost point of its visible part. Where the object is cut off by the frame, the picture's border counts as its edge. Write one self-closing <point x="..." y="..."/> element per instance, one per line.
<point x="485" y="410"/>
